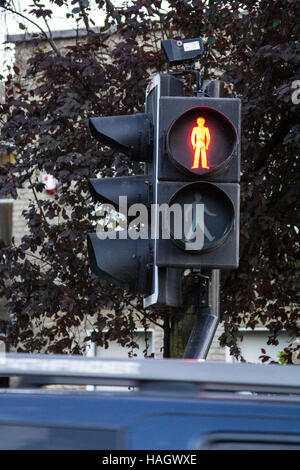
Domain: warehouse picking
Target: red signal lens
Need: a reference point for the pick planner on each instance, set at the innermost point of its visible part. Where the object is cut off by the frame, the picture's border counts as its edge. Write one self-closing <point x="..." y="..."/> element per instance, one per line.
<point x="200" y="140"/>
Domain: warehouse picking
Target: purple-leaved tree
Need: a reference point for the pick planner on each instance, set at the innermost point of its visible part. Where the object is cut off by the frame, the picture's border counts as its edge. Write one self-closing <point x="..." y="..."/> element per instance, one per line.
<point x="254" y="47"/>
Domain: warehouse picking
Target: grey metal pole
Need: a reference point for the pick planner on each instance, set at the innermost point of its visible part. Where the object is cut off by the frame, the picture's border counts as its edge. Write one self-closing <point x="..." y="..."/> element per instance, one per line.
<point x="207" y="320"/>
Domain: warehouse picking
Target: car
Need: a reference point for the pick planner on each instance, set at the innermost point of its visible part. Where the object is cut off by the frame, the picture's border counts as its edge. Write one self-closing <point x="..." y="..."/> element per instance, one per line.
<point x="75" y="402"/>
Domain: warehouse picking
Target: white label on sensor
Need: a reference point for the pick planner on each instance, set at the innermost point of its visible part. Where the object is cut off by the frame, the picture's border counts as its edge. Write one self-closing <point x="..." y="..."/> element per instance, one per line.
<point x="191" y="46"/>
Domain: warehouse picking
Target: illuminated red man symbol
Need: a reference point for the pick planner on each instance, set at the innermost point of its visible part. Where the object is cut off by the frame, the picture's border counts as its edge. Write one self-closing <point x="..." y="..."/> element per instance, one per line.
<point x="200" y="140"/>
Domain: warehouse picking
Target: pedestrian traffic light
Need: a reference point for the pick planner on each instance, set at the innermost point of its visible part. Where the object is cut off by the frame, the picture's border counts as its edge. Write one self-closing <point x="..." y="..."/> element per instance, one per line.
<point x="196" y="174"/>
<point x="190" y="188"/>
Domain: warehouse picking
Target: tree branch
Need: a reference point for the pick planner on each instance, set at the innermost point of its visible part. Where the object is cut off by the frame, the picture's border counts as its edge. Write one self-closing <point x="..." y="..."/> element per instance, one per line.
<point x="85" y="18"/>
<point x="111" y="9"/>
<point x="38" y="202"/>
<point x="49" y="39"/>
<point x="285" y="125"/>
<point x="138" y="311"/>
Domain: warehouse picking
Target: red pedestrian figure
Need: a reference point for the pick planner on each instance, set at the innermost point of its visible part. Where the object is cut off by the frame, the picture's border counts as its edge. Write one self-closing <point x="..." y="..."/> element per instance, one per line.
<point x="200" y="140"/>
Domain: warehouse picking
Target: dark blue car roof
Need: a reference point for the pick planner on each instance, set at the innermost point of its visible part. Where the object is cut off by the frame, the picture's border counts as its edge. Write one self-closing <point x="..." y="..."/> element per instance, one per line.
<point x="173" y="404"/>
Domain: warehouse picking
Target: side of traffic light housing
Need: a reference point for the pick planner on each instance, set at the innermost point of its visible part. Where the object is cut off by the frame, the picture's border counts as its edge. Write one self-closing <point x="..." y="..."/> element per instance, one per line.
<point x="130" y="134"/>
<point x="115" y="256"/>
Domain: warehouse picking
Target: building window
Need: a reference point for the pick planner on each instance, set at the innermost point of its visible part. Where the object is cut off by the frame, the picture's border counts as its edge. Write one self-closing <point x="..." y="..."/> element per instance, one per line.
<point x="115" y="350"/>
<point x="256" y="340"/>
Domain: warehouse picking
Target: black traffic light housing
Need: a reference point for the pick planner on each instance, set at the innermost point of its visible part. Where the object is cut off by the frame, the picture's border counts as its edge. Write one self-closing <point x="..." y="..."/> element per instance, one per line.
<point x="216" y="186"/>
<point x="170" y="137"/>
<point x="175" y="181"/>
